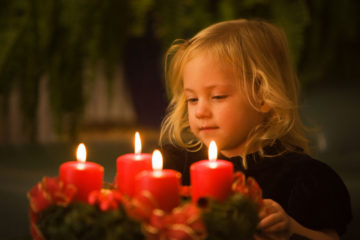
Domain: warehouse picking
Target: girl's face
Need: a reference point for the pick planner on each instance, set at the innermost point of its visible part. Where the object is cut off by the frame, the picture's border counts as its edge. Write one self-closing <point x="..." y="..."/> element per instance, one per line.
<point x="217" y="108"/>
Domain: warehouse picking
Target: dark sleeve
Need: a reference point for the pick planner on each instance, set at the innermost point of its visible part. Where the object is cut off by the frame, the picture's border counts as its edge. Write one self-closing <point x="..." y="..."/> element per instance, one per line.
<point x="180" y="159"/>
<point x="319" y="199"/>
<point x="173" y="157"/>
<point x="176" y="158"/>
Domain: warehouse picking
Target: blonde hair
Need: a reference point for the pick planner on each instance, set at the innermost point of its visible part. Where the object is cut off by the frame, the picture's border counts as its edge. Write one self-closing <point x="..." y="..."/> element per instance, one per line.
<point x="258" y="53"/>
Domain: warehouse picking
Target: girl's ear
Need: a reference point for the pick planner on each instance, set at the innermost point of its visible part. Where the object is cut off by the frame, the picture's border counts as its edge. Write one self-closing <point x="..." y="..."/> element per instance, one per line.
<point x="264" y="108"/>
<point x="260" y="88"/>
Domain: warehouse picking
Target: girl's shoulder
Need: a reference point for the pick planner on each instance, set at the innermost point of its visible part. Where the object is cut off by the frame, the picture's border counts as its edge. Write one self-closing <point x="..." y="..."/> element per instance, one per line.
<point x="179" y="159"/>
<point x="174" y="155"/>
<point x="302" y="172"/>
<point x="317" y="188"/>
<point x="318" y="175"/>
<point x="305" y="166"/>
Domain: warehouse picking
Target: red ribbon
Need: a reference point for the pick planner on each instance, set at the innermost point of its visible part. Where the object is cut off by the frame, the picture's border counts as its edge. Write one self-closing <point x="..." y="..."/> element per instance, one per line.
<point x="183" y="223"/>
<point x="106" y="199"/>
<point x="248" y="187"/>
<point x="45" y="193"/>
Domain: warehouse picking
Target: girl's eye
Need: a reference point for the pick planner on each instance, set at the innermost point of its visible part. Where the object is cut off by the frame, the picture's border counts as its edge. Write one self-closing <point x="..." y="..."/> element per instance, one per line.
<point x="191" y="100"/>
<point x="218" y="97"/>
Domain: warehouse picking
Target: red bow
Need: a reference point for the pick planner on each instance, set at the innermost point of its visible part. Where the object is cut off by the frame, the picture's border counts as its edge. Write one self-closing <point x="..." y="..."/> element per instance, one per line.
<point x="248" y="187"/>
<point x="45" y="193"/>
<point x="183" y="223"/>
<point x="106" y="199"/>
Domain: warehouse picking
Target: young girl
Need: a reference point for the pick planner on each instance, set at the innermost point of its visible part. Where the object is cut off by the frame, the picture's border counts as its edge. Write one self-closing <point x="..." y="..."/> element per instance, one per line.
<point x="233" y="83"/>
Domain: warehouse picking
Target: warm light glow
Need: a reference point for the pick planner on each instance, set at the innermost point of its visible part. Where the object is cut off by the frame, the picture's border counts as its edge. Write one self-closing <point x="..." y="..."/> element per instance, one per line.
<point x="137" y="143"/>
<point x="157" y="160"/>
<point x="212" y="151"/>
<point x="81" y="153"/>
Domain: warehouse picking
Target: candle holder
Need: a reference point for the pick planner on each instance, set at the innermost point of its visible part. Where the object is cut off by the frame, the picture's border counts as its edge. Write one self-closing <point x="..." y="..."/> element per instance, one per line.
<point x="109" y="214"/>
<point x="154" y="211"/>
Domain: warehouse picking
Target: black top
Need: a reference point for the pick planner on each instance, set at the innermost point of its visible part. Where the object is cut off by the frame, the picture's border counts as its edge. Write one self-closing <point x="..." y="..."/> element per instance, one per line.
<point x="308" y="190"/>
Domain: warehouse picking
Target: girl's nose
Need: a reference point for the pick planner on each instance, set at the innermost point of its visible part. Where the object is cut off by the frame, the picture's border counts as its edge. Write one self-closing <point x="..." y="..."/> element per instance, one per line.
<point x="202" y="109"/>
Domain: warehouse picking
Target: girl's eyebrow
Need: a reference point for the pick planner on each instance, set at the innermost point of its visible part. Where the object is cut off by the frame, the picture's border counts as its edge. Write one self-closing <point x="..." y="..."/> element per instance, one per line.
<point x="207" y="88"/>
<point x="188" y="90"/>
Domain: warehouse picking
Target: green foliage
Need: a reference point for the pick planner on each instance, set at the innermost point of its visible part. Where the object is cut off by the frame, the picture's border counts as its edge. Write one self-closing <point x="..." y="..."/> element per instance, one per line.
<point x="56" y="39"/>
<point x="63" y="39"/>
<point x="80" y="221"/>
<point x="331" y="45"/>
<point x="293" y="17"/>
<point x="234" y="219"/>
<point x="180" y="19"/>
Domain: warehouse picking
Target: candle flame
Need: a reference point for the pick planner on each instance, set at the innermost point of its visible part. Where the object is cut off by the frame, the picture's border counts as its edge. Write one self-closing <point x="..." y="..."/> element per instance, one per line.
<point x="212" y="151"/>
<point x="137" y="143"/>
<point x="157" y="160"/>
<point x="81" y="153"/>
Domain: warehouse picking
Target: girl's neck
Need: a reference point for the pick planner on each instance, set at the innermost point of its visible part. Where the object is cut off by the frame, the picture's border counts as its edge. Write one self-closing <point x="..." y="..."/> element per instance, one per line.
<point x="239" y="151"/>
<point x="232" y="152"/>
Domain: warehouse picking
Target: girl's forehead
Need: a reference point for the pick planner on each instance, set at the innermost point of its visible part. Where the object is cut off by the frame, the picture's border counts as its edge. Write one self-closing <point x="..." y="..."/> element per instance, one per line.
<point x="207" y="59"/>
<point x="201" y="52"/>
<point x="212" y="58"/>
<point x="207" y="73"/>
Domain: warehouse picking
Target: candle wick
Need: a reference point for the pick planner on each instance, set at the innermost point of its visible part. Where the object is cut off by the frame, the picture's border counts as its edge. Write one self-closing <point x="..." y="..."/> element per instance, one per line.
<point x="157" y="172"/>
<point x="137" y="156"/>
<point x="212" y="164"/>
<point x="81" y="165"/>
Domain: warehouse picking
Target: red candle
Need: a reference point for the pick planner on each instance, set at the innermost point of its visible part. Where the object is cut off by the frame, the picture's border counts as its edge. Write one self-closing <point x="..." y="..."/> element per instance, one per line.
<point x="211" y="178"/>
<point x="129" y="165"/>
<point x="162" y="185"/>
<point x="85" y="176"/>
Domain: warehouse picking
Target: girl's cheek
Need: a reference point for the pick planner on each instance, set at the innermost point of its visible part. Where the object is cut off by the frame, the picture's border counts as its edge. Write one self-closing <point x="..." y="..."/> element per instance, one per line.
<point x="191" y="116"/>
<point x="192" y="127"/>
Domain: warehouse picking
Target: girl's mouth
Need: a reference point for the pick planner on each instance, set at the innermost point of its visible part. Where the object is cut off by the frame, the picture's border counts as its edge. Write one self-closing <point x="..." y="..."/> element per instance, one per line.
<point x="207" y="128"/>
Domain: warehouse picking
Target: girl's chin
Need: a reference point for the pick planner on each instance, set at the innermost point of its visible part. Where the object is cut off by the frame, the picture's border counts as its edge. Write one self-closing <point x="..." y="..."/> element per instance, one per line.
<point x="207" y="139"/>
<point x="207" y="143"/>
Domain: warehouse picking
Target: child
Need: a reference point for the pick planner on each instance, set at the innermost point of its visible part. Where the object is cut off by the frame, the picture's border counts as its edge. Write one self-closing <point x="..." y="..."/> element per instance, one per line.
<point x="233" y="83"/>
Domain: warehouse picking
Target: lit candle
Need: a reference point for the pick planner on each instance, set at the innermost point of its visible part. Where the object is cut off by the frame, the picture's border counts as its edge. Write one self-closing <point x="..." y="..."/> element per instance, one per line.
<point x="85" y="176"/>
<point x="211" y="178"/>
<point x="129" y="165"/>
<point x="162" y="185"/>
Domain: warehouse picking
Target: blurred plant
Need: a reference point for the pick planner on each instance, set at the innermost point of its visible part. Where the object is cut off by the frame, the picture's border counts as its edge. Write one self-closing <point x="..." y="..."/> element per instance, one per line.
<point x="58" y="39"/>
<point x="331" y="47"/>
<point x="64" y="39"/>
